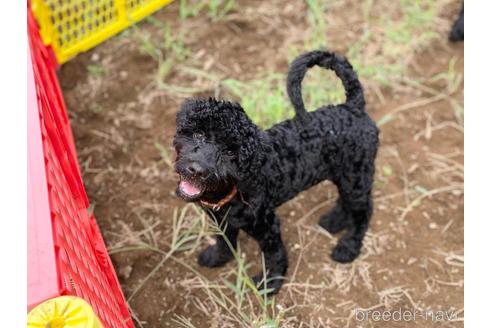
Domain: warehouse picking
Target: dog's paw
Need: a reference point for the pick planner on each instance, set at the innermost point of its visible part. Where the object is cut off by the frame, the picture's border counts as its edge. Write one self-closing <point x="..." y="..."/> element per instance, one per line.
<point x="273" y="283"/>
<point x="344" y="253"/>
<point x="213" y="257"/>
<point x="334" y="221"/>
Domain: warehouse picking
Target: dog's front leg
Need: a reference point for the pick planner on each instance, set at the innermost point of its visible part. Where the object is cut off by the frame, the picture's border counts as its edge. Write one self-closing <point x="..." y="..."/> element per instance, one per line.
<point x="266" y="231"/>
<point x="220" y="253"/>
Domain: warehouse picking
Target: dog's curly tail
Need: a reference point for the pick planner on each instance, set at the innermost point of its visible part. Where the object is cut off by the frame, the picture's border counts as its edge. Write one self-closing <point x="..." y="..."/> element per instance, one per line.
<point x="343" y="69"/>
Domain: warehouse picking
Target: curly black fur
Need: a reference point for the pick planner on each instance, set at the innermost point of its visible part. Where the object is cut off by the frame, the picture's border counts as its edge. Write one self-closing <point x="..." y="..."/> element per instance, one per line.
<point x="218" y="147"/>
<point x="458" y="30"/>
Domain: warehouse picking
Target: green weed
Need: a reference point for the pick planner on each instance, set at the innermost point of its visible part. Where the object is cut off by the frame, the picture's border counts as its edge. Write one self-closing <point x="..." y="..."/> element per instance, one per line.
<point x="265" y="100"/>
<point x="243" y="303"/>
<point x="190" y="8"/>
<point x="236" y="295"/>
<point x="95" y="69"/>
<point x="411" y="29"/>
<point x="316" y="17"/>
<point x="96" y="108"/>
<point x="387" y="170"/>
<point x="217" y="9"/>
<point x="164" y="153"/>
<point x="168" y="53"/>
<point x="396" y="39"/>
<point x="185" y="237"/>
<point x="452" y="78"/>
<point x="148" y="47"/>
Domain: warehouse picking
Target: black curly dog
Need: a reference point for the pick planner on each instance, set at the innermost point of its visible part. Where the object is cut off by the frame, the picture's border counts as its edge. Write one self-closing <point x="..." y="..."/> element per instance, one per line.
<point x="242" y="173"/>
<point x="458" y="30"/>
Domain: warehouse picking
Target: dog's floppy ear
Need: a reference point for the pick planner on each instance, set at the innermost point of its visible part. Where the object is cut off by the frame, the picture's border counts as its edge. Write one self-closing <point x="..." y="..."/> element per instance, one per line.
<point x="252" y="155"/>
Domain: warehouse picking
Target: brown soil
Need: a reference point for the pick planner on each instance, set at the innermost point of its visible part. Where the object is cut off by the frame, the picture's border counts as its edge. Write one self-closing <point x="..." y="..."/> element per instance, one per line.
<point x="413" y="253"/>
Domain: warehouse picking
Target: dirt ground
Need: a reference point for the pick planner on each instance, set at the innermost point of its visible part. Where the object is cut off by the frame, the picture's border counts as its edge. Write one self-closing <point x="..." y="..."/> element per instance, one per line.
<point x="413" y="253"/>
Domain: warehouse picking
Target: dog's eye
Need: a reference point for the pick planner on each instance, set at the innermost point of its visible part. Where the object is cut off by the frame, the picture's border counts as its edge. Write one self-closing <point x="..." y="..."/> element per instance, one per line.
<point x="198" y="136"/>
<point x="230" y="153"/>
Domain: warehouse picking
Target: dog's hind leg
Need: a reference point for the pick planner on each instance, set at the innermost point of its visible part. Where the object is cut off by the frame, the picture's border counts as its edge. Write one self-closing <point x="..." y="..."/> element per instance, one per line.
<point x="220" y="253"/>
<point x="336" y="219"/>
<point x="356" y="202"/>
<point x="268" y="236"/>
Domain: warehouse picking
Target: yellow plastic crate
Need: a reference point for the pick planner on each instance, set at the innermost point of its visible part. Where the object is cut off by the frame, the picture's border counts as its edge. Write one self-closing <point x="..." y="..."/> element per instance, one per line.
<point x="74" y="26"/>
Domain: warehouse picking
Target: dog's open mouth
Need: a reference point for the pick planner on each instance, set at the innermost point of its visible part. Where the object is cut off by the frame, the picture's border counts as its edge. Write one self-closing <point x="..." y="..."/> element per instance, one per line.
<point x="189" y="190"/>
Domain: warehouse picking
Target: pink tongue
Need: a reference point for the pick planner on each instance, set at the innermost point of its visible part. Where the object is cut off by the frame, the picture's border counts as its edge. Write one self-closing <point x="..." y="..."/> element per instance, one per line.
<point x="189" y="189"/>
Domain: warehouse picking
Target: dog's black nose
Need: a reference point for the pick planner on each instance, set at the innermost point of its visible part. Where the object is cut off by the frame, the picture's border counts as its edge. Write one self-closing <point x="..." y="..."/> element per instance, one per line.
<point x="195" y="169"/>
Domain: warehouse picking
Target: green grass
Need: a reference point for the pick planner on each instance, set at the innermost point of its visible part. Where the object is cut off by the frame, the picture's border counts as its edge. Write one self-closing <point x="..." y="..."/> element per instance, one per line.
<point x="240" y="302"/>
<point x="395" y="39"/>
<point x="216" y="9"/>
<point x="167" y="52"/>
<point x="95" y="70"/>
<point x="402" y="34"/>
<point x="189" y="8"/>
<point x="96" y="108"/>
<point x="237" y="296"/>
<point x="265" y="99"/>
<point x="387" y="170"/>
<point x="166" y="158"/>
<point x="185" y="237"/>
<point x="452" y="78"/>
<point x="316" y="18"/>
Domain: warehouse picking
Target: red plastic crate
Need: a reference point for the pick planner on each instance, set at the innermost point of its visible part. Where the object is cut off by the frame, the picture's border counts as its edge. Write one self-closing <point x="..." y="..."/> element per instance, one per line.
<point x="66" y="251"/>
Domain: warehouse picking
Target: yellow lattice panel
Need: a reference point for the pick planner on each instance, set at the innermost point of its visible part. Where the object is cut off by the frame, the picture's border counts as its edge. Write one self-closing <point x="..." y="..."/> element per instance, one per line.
<point x="74" y="26"/>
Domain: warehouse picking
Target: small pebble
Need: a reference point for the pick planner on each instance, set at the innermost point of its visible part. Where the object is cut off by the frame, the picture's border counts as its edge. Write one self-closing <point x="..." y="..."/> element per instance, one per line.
<point x="124" y="74"/>
<point x="125" y="271"/>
